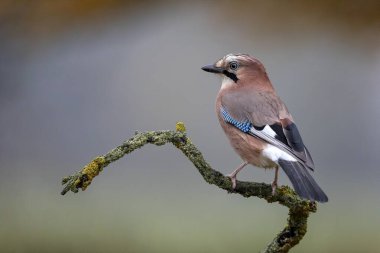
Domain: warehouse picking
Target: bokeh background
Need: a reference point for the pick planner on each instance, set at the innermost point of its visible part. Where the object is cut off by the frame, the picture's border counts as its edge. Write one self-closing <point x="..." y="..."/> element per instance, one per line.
<point x="79" y="77"/>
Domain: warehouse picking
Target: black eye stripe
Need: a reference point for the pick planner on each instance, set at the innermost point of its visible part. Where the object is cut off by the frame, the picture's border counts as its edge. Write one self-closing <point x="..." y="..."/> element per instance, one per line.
<point x="230" y="75"/>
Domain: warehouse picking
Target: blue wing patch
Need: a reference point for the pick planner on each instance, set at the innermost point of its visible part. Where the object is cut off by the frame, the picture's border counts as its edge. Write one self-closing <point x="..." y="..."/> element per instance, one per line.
<point x="244" y="126"/>
<point x="287" y="139"/>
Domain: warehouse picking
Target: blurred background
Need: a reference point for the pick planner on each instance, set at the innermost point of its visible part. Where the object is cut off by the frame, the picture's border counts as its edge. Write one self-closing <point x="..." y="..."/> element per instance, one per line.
<point x="79" y="77"/>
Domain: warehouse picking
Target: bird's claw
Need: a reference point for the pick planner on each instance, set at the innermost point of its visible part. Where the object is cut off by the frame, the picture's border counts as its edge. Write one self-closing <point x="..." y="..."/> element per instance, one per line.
<point x="233" y="180"/>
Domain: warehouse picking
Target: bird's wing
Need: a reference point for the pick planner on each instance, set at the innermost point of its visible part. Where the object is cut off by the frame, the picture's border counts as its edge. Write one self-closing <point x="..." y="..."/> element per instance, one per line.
<point x="265" y="116"/>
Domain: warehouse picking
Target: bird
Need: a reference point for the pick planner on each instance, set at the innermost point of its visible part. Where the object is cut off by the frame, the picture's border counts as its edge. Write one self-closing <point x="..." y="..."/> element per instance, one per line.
<point x="259" y="126"/>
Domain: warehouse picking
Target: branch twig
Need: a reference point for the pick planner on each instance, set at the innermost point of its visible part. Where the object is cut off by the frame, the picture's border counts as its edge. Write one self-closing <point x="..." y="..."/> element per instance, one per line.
<point x="299" y="209"/>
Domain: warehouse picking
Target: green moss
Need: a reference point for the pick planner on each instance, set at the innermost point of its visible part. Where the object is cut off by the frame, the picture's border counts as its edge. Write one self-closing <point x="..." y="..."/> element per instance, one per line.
<point x="298" y="209"/>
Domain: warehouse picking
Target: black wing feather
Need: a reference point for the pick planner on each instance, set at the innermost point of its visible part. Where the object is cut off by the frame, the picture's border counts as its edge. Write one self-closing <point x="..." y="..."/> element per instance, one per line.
<point x="290" y="140"/>
<point x="280" y="135"/>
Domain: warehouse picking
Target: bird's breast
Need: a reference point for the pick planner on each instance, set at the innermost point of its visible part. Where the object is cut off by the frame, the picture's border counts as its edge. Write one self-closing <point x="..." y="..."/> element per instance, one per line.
<point x="249" y="148"/>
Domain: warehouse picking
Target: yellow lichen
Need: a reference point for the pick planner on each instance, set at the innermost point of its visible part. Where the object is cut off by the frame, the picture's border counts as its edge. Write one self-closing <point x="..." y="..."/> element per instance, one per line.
<point x="180" y="127"/>
<point x="91" y="170"/>
<point x="285" y="190"/>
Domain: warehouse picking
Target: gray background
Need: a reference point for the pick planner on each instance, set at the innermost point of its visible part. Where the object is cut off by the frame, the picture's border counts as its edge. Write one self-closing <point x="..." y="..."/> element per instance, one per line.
<point x="76" y="81"/>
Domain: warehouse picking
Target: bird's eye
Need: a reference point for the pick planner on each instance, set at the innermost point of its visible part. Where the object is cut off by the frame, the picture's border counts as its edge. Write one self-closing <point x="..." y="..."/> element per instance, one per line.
<point x="234" y="65"/>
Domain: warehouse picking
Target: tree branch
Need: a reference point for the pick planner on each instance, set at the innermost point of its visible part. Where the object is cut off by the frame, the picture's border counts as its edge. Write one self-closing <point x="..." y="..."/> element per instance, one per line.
<point x="299" y="209"/>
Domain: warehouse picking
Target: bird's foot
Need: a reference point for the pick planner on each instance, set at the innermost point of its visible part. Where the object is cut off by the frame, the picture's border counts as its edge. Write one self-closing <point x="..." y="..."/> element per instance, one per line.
<point x="232" y="176"/>
<point x="233" y="180"/>
<point x="274" y="187"/>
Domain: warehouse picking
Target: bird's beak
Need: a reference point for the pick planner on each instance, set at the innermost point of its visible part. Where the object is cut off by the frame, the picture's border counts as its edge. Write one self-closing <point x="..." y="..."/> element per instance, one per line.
<point x="212" y="69"/>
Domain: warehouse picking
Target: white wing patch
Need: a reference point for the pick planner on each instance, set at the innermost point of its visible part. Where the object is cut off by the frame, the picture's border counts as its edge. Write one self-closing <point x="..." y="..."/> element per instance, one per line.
<point x="269" y="131"/>
<point x="270" y="151"/>
<point x="273" y="153"/>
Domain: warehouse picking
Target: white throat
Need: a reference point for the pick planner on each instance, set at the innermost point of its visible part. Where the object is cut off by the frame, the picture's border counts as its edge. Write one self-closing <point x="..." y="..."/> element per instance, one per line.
<point x="226" y="83"/>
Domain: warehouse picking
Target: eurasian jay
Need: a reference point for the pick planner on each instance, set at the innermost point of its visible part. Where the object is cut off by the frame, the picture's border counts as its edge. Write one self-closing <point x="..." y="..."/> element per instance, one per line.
<point x="259" y="126"/>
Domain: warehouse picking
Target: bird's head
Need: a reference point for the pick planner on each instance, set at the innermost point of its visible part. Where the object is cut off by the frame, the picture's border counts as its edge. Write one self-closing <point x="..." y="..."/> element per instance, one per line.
<point x="239" y="69"/>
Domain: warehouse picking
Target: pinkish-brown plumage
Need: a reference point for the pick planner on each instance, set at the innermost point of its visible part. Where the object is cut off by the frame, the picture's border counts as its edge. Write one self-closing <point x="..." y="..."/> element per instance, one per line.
<point x="248" y="147"/>
<point x="259" y="126"/>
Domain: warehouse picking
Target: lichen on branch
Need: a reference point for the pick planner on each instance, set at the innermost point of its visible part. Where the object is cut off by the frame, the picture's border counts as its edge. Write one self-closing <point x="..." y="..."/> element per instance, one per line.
<point x="299" y="209"/>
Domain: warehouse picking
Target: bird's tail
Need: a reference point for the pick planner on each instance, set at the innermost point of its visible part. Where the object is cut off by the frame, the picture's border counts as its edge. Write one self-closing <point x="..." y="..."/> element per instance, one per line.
<point x="302" y="181"/>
